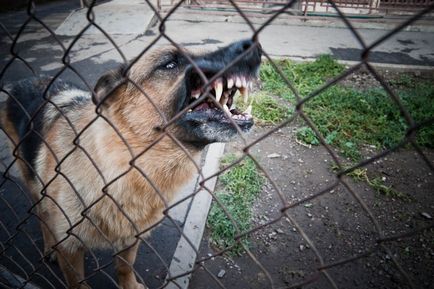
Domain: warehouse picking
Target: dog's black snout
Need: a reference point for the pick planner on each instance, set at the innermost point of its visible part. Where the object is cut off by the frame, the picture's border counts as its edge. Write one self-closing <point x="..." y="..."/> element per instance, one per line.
<point x="247" y="52"/>
<point x="244" y="45"/>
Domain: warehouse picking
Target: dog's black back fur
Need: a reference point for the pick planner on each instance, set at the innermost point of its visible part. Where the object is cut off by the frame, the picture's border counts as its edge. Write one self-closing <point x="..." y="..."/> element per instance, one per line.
<point x="25" y="108"/>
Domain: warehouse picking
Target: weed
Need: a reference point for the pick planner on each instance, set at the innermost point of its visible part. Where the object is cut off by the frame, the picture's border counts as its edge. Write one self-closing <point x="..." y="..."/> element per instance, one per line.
<point x="376" y="183"/>
<point x="380" y="187"/>
<point x="241" y="185"/>
<point x="266" y="109"/>
<point x="404" y="80"/>
<point x="307" y="135"/>
<point x="349" y="117"/>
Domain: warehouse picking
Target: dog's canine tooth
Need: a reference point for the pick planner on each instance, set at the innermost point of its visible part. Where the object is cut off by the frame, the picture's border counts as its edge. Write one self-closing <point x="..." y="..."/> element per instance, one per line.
<point x="218" y="87"/>
<point x="230" y="83"/>
<point x="224" y="100"/>
<point x="248" y="110"/>
<point x="226" y="109"/>
<point x="196" y="95"/>
<point x="238" y="82"/>
<point x="235" y="99"/>
<point x="243" y="81"/>
<point x="245" y="93"/>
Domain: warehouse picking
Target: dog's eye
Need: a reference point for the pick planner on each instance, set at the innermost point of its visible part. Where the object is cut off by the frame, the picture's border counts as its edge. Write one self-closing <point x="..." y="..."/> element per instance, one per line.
<point x="170" y="65"/>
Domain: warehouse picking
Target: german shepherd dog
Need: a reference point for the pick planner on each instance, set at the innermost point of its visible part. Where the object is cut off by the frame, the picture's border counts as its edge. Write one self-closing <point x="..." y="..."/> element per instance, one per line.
<point x="102" y="175"/>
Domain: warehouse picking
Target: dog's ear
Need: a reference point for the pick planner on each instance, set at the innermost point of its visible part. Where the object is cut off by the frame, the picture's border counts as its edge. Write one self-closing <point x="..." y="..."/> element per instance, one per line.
<point x="109" y="85"/>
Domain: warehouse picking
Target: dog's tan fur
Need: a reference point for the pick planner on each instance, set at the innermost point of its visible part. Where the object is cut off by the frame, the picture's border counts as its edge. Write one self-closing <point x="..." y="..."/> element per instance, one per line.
<point x="130" y="203"/>
<point x="100" y="180"/>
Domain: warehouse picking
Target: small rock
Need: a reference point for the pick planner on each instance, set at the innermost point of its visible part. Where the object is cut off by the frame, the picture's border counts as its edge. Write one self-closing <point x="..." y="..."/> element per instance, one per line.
<point x="221" y="273"/>
<point x="273" y="156"/>
<point x="280" y="231"/>
<point x="308" y="205"/>
<point x="426" y="215"/>
<point x="261" y="276"/>
<point x="272" y="235"/>
<point x="301" y="247"/>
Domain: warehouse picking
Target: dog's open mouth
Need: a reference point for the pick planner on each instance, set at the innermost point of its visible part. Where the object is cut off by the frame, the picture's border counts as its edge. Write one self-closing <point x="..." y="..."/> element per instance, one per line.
<point x="222" y="91"/>
<point x="212" y="115"/>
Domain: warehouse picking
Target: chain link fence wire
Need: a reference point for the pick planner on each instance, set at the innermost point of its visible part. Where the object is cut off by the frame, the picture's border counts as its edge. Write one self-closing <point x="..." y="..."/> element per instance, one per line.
<point x="19" y="221"/>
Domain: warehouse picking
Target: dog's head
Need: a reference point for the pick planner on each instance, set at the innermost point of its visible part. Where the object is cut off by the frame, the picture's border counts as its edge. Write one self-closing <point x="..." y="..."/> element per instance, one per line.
<point x="164" y="84"/>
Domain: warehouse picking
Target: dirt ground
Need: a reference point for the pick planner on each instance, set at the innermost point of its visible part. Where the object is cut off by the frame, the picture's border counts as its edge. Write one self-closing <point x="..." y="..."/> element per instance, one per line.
<point x="335" y="222"/>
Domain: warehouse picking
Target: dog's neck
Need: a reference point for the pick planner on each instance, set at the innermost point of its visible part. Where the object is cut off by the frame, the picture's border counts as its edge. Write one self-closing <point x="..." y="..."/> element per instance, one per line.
<point x="144" y="159"/>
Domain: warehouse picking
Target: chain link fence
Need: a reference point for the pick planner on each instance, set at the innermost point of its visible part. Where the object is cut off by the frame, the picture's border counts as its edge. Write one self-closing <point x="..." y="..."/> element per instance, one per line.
<point x="18" y="222"/>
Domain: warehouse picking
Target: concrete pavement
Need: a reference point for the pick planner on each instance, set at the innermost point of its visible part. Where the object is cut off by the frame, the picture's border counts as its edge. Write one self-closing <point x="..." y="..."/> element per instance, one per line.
<point x="298" y="42"/>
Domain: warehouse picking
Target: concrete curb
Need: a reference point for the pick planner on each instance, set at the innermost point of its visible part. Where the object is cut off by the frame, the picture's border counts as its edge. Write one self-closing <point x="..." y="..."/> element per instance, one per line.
<point x="185" y="255"/>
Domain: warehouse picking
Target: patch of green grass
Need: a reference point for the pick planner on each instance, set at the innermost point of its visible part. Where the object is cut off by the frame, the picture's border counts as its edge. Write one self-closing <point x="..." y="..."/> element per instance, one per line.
<point x="376" y="183"/>
<point x="380" y="187"/>
<point x="304" y="76"/>
<point x="307" y="135"/>
<point x="404" y="80"/>
<point x="266" y="109"/>
<point x="242" y="184"/>
<point x="348" y="117"/>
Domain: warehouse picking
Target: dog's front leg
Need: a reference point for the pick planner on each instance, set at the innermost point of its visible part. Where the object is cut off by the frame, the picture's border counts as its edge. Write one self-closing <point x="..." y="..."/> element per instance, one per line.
<point x="124" y="266"/>
<point x="72" y="265"/>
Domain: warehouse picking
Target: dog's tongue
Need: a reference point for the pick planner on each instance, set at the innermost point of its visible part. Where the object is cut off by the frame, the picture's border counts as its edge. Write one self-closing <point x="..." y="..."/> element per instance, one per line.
<point x="202" y="106"/>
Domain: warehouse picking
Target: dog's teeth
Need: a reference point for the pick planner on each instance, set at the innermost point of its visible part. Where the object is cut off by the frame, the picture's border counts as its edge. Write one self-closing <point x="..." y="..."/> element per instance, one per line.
<point x="230" y="83"/>
<point x="233" y="106"/>
<point x="218" y="90"/>
<point x="226" y="109"/>
<point x="190" y="110"/>
<point x="245" y="93"/>
<point x="248" y="110"/>
<point x="224" y="100"/>
<point x="196" y="95"/>
<point x="238" y="82"/>
<point x="235" y="99"/>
